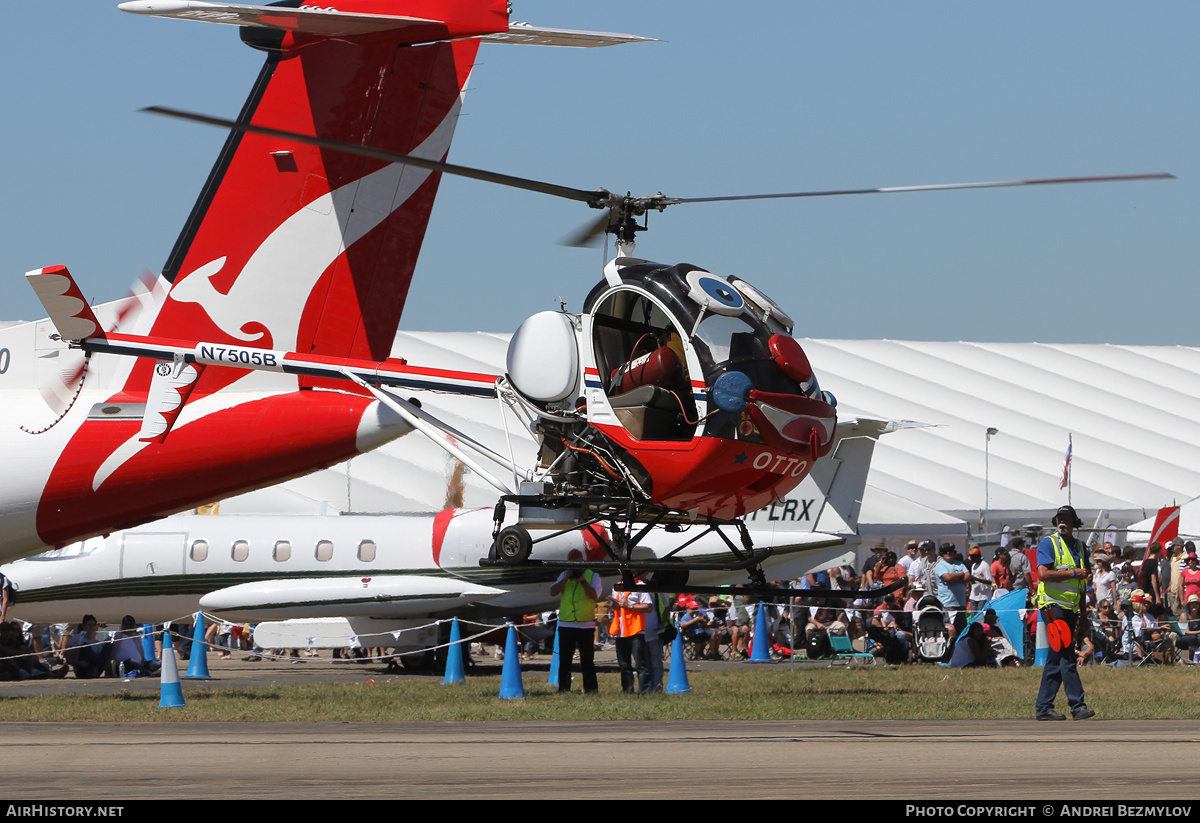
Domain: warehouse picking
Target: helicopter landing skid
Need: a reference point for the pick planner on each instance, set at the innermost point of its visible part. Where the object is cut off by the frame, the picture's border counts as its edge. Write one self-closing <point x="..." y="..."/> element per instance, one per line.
<point x="766" y="591"/>
<point x="667" y="575"/>
<point x="513" y="545"/>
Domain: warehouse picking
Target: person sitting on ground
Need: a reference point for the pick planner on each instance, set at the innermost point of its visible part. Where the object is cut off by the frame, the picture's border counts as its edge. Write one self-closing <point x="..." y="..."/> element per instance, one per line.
<point x="973" y="649"/>
<point x="86" y="653"/>
<point x="127" y="651"/>
<point x="18" y="661"/>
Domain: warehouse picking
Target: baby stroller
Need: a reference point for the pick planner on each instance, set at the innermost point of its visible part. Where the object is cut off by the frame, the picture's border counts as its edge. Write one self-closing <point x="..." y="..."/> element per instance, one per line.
<point x="930" y="636"/>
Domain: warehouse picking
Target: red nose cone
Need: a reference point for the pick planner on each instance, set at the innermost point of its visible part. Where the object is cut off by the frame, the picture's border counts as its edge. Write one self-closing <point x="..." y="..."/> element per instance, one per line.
<point x="790" y="357"/>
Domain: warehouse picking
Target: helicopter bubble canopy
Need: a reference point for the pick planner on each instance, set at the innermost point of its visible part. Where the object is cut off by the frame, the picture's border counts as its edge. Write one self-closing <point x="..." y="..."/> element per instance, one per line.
<point x="681" y="329"/>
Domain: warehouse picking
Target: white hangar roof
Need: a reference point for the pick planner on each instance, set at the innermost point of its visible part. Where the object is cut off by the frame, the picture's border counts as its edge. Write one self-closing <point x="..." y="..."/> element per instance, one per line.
<point x="1133" y="413"/>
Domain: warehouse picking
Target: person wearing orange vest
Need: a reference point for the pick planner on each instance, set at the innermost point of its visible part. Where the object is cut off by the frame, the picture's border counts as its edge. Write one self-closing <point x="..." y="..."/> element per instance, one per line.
<point x="628" y="630"/>
<point x="580" y="590"/>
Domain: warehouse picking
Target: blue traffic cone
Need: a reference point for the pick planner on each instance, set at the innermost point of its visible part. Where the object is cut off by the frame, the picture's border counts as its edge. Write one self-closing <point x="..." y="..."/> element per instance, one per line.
<point x="170" y="693"/>
<point x="454" y="657"/>
<point x="759" y="652"/>
<point x="198" y="664"/>
<point x="511" y="687"/>
<point x="148" y="643"/>
<point x="555" y="661"/>
<point x="677" y="682"/>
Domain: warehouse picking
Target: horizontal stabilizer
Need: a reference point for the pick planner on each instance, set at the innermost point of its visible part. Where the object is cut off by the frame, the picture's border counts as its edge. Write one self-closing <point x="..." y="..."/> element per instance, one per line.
<point x="523" y="34"/>
<point x="315" y="21"/>
<point x="64" y="303"/>
<point x="382" y="596"/>
<point x="170" y="388"/>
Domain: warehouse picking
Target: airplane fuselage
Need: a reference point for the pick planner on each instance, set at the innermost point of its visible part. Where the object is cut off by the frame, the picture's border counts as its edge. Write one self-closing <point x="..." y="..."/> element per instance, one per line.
<point x="372" y="568"/>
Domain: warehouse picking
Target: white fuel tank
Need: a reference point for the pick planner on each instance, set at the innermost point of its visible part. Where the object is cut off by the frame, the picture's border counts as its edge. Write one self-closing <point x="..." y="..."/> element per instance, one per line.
<point x="543" y="358"/>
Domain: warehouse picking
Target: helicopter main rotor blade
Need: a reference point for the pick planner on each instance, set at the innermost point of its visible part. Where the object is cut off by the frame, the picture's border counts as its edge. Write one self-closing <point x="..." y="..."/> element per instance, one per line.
<point x="617" y="208"/>
<point x="995" y="184"/>
<point x="596" y="199"/>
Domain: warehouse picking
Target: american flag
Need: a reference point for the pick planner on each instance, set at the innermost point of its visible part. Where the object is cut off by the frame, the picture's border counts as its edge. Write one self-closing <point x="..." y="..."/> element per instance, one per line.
<point x="1066" y="469"/>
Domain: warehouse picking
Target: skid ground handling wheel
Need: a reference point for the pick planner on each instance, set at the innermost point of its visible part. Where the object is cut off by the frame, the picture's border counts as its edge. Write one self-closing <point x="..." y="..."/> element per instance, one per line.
<point x="513" y="545"/>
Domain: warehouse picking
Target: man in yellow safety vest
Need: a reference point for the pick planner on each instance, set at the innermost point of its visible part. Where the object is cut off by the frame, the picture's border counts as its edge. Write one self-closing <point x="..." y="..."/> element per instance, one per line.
<point x="580" y="589"/>
<point x="1062" y="584"/>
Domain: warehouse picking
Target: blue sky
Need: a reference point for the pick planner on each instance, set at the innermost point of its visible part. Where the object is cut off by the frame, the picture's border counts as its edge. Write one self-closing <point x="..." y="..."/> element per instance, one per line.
<point x="759" y="97"/>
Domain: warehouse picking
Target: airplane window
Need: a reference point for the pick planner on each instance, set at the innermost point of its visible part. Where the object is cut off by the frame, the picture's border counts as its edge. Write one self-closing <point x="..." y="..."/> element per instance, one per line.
<point x="366" y="551"/>
<point x="283" y="550"/>
<point x="241" y="550"/>
<point x="199" y="550"/>
<point x="324" y="550"/>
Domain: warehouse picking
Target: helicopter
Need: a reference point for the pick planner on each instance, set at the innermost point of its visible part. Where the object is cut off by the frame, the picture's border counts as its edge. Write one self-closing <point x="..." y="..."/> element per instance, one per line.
<point x="675" y="398"/>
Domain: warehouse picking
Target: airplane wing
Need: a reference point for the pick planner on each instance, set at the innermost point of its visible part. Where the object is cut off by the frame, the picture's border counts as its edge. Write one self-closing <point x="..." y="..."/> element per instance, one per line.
<point x="383" y="596"/>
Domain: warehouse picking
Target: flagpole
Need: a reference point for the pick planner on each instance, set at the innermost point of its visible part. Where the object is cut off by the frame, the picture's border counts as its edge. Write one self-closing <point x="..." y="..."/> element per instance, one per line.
<point x="1070" y="466"/>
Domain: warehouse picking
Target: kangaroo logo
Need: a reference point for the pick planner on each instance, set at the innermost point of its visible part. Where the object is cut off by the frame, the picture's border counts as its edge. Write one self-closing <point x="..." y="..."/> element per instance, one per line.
<point x="266" y="301"/>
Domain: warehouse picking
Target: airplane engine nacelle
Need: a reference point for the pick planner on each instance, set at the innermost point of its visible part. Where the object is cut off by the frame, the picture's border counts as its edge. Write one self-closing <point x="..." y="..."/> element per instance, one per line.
<point x="543" y="358"/>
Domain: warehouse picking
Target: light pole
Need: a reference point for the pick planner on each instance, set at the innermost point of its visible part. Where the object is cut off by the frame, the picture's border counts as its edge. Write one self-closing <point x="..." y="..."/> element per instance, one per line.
<point x="987" y="497"/>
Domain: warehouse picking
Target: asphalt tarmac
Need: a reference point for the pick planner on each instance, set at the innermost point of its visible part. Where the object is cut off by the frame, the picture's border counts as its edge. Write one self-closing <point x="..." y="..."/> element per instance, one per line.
<point x="1012" y="760"/>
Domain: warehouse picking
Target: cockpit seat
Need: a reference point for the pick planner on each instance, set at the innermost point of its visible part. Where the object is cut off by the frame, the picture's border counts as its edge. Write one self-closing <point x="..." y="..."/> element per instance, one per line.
<point x="651" y="413"/>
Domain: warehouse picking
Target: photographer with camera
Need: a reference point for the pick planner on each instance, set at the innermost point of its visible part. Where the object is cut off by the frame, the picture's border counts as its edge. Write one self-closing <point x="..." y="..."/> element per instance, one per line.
<point x="580" y="590"/>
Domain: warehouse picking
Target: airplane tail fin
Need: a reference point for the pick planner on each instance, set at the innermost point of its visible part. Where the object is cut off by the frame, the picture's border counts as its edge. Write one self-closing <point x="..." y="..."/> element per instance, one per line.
<point x="842" y="476"/>
<point x="304" y="249"/>
<point x="293" y="247"/>
<point x="830" y="497"/>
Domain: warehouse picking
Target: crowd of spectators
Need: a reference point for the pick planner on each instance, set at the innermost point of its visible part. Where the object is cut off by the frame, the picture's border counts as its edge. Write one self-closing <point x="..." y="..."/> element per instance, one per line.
<point x="39" y="652"/>
<point x="1144" y="606"/>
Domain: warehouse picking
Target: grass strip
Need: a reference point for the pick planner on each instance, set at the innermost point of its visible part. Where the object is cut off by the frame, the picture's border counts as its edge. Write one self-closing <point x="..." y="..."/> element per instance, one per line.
<point x="768" y="693"/>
